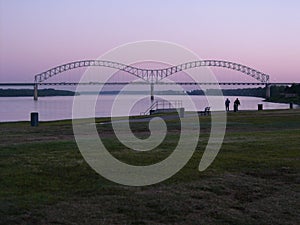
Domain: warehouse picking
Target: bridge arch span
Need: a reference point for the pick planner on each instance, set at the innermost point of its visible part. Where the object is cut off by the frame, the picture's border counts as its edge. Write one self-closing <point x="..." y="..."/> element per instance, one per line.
<point x="152" y="75"/>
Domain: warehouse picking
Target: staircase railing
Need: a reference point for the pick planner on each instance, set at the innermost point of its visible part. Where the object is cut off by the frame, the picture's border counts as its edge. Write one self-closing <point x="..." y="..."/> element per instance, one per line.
<point x="152" y="107"/>
<point x="163" y="104"/>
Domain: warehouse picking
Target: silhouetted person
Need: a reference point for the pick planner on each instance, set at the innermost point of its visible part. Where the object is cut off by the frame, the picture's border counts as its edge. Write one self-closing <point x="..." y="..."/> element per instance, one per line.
<point x="236" y="105"/>
<point x="227" y="102"/>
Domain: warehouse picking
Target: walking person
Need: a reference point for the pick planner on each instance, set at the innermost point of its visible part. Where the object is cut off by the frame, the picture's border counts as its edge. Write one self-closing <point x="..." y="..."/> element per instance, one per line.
<point x="236" y="105"/>
<point x="227" y="103"/>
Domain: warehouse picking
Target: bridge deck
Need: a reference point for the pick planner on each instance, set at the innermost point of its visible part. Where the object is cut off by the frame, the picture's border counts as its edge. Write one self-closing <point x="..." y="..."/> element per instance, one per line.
<point x="143" y="83"/>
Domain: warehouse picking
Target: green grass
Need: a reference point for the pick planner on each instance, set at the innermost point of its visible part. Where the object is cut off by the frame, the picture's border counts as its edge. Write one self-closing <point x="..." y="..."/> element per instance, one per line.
<point x="253" y="180"/>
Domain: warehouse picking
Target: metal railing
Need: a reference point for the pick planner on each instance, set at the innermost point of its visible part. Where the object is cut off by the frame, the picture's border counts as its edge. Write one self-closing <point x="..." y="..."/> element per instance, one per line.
<point x="163" y="104"/>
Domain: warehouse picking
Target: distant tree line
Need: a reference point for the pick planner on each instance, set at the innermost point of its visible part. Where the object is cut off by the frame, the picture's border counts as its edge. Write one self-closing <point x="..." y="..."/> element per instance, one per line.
<point x="196" y="92"/>
<point x="285" y="94"/>
<point x="256" y="92"/>
<point x="295" y="88"/>
<point x="29" y="92"/>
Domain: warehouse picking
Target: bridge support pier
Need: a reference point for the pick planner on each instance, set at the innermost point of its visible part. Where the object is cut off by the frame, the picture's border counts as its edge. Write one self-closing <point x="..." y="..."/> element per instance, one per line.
<point x="152" y="92"/>
<point x="268" y="91"/>
<point x="35" y="92"/>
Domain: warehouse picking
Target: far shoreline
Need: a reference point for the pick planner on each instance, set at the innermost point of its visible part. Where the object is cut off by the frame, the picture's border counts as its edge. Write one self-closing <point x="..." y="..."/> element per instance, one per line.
<point x="29" y="92"/>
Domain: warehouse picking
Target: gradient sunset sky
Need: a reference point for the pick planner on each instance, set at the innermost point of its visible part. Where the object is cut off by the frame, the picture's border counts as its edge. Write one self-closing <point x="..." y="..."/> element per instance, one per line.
<point x="36" y="35"/>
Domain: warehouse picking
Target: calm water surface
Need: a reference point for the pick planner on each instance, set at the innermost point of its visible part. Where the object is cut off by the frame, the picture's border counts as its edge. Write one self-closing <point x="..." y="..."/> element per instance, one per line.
<point x="57" y="108"/>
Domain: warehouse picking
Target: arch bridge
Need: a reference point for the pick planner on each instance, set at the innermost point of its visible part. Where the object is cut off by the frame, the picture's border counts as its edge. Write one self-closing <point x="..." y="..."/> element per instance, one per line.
<point x="151" y="76"/>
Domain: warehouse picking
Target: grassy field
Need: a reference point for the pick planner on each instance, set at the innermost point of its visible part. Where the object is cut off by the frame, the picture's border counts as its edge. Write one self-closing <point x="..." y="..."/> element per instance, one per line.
<point x="255" y="178"/>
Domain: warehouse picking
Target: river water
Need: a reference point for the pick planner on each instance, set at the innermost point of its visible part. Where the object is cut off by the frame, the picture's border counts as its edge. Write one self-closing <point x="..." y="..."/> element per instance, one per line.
<point x="57" y="108"/>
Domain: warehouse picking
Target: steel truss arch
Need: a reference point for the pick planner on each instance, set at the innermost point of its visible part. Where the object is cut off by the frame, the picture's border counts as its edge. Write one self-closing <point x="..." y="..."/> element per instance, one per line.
<point x="152" y="75"/>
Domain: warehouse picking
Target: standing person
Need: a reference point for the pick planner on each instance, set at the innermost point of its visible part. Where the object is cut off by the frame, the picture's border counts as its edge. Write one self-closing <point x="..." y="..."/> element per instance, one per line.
<point x="227" y="102"/>
<point x="236" y="105"/>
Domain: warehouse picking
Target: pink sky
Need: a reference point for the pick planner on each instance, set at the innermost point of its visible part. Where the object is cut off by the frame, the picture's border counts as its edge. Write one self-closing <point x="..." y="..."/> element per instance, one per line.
<point x="37" y="35"/>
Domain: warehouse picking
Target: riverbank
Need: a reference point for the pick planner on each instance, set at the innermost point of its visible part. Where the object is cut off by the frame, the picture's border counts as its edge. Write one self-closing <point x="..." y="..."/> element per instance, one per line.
<point x="254" y="179"/>
<point x="294" y="100"/>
